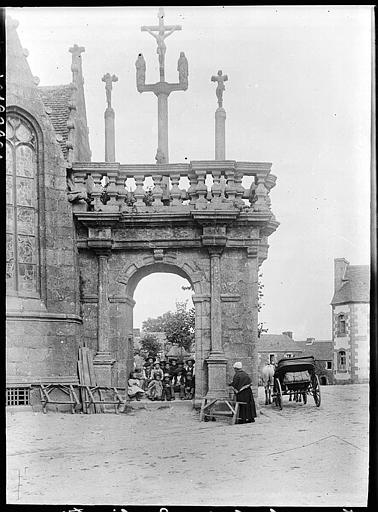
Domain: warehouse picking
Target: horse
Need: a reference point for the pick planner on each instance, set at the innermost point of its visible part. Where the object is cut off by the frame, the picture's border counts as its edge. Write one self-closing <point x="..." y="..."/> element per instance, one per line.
<point x="268" y="379"/>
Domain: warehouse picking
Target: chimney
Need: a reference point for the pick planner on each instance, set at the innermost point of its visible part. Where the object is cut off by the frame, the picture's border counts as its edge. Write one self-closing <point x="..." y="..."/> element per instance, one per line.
<point x="310" y="341"/>
<point x="340" y="266"/>
<point x="288" y="333"/>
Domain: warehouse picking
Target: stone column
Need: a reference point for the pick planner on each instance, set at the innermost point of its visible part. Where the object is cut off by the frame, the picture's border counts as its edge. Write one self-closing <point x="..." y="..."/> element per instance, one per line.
<point x="109" y="135"/>
<point x="220" y="134"/>
<point x="103" y="360"/>
<point x="202" y="342"/>
<point x="216" y="361"/>
<point x="163" y="124"/>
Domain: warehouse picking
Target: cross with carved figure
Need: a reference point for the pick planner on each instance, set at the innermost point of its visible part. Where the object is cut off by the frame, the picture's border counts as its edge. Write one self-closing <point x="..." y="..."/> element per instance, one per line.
<point x="163" y="31"/>
<point x="109" y="79"/>
<point x="162" y="89"/>
<point x="220" y="78"/>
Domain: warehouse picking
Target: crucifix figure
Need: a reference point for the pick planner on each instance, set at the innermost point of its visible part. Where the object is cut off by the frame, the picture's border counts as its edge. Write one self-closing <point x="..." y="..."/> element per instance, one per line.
<point x="220" y="78"/>
<point x="162" y="32"/>
<point x="162" y="89"/>
<point x="109" y="79"/>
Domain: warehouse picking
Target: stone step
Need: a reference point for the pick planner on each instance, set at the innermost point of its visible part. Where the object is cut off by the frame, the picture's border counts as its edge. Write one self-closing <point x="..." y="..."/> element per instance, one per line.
<point x="148" y="404"/>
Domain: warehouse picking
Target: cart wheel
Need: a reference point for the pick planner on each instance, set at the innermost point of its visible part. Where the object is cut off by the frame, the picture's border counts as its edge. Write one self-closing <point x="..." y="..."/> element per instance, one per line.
<point x="278" y="394"/>
<point x="316" y="391"/>
<point x="304" y="396"/>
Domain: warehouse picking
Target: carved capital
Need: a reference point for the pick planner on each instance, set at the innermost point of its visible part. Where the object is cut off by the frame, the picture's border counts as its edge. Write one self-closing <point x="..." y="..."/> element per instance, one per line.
<point x="215" y="251"/>
<point x="252" y="252"/>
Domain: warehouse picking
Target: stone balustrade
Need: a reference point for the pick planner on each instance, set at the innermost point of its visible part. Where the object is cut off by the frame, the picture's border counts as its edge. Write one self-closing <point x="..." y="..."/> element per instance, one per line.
<point x="115" y="187"/>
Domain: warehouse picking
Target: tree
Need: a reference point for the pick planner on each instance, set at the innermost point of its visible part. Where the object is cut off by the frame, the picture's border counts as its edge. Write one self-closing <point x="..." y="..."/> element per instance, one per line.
<point x="178" y="325"/>
<point x="150" y="343"/>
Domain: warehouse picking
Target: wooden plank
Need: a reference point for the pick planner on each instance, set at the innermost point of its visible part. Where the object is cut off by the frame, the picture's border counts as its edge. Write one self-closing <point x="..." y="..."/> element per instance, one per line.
<point x="92" y="376"/>
<point x="81" y="380"/>
<point x="236" y="414"/>
<point x="86" y="376"/>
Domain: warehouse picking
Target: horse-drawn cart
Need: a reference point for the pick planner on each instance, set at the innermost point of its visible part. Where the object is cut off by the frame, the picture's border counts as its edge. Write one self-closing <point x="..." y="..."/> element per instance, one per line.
<point x="296" y="377"/>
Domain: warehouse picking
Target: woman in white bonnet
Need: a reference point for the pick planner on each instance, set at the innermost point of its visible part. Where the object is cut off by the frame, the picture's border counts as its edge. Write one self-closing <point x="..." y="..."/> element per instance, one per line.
<point x="241" y="385"/>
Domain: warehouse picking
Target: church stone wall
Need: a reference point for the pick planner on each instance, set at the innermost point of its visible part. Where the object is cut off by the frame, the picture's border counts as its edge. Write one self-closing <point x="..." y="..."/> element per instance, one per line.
<point x="43" y="332"/>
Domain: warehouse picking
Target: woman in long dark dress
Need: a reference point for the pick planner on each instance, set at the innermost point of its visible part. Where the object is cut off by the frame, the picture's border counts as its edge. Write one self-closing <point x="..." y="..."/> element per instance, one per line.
<point x="241" y="384"/>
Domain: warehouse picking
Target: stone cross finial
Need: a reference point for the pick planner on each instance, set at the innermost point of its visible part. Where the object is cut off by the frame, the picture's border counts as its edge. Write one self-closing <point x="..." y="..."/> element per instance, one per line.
<point x="162" y="32"/>
<point x="220" y="78"/>
<point x="76" y="50"/>
<point x="76" y="60"/>
<point x="109" y="79"/>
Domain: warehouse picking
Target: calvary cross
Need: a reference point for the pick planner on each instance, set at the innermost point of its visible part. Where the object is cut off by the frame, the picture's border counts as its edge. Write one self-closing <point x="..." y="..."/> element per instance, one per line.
<point x="109" y="79"/>
<point x="161" y="89"/>
<point x="161" y="35"/>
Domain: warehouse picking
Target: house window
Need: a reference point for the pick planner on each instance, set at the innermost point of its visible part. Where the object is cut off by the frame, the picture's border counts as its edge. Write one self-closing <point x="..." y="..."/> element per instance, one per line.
<point x="289" y="355"/>
<point x="272" y="358"/>
<point x="22" y="250"/>
<point x="341" y="325"/>
<point x="329" y="365"/>
<point x="341" y="360"/>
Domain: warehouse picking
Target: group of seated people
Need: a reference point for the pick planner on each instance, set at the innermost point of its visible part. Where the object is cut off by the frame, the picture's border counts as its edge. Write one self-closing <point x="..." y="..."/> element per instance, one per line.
<point x="161" y="380"/>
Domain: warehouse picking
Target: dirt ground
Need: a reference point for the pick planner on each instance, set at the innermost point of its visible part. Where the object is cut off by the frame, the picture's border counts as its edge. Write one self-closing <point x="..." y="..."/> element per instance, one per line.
<point x="300" y="456"/>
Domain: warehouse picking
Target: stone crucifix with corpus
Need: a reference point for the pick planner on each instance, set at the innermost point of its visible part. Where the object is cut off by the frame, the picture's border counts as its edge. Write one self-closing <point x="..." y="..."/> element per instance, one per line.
<point x="220" y="117"/>
<point x="109" y="79"/>
<point x="162" y="89"/>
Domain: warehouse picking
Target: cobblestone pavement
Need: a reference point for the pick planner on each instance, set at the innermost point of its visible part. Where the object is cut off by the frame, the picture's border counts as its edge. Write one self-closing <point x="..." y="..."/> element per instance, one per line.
<point x="300" y="456"/>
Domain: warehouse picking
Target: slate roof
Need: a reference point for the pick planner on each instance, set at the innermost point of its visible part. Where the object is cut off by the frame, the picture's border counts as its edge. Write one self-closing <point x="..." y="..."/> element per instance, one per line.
<point x="322" y="350"/>
<point x="277" y="343"/>
<point x="355" y="286"/>
<point x="56" y="99"/>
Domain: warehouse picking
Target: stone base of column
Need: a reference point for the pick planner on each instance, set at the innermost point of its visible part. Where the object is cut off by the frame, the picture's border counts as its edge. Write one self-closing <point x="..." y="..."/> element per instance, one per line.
<point x="103" y="364"/>
<point x="216" y="365"/>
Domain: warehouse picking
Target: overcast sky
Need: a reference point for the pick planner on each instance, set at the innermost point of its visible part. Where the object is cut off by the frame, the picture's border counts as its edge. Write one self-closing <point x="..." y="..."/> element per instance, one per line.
<point x="298" y="95"/>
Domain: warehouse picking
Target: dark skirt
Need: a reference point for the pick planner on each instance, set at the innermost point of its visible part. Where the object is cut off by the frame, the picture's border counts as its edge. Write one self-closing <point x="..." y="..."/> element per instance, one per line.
<point x="248" y="411"/>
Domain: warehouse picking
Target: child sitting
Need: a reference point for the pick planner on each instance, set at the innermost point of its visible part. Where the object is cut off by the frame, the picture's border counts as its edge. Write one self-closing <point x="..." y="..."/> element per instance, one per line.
<point x="155" y="388"/>
<point x="157" y="371"/>
<point x="167" y="388"/>
<point x="179" y="384"/>
<point x="189" y="386"/>
<point x="134" y="390"/>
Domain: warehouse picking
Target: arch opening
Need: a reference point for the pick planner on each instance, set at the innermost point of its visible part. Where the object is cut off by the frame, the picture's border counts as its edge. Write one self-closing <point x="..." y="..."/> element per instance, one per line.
<point x="164" y="290"/>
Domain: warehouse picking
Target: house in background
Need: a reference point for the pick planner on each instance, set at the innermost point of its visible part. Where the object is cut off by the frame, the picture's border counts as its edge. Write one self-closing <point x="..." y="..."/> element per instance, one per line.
<point x="350" y="322"/>
<point x="273" y="347"/>
<point x="322" y="350"/>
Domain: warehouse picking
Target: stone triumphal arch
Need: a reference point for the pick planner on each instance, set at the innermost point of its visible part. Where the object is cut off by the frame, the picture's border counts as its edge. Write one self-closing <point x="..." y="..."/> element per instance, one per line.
<point x="215" y="238"/>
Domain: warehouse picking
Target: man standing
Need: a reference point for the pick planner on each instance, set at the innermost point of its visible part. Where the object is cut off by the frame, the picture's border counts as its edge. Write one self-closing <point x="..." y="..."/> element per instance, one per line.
<point x="241" y="385"/>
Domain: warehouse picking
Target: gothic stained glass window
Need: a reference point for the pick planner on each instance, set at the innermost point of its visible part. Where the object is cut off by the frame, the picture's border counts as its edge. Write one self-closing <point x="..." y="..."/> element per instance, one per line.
<point x="22" y="261"/>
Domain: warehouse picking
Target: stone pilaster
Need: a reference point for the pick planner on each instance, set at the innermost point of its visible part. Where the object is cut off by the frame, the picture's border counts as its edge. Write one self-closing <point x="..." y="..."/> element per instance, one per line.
<point x="252" y="308"/>
<point x="103" y="361"/>
<point x="202" y="341"/>
<point x="216" y="362"/>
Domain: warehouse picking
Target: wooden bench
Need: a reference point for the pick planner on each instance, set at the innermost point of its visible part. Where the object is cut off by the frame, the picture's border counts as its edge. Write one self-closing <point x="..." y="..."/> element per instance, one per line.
<point x="68" y="389"/>
<point x="233" y="409"/>
<point x="93" y="396"/>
